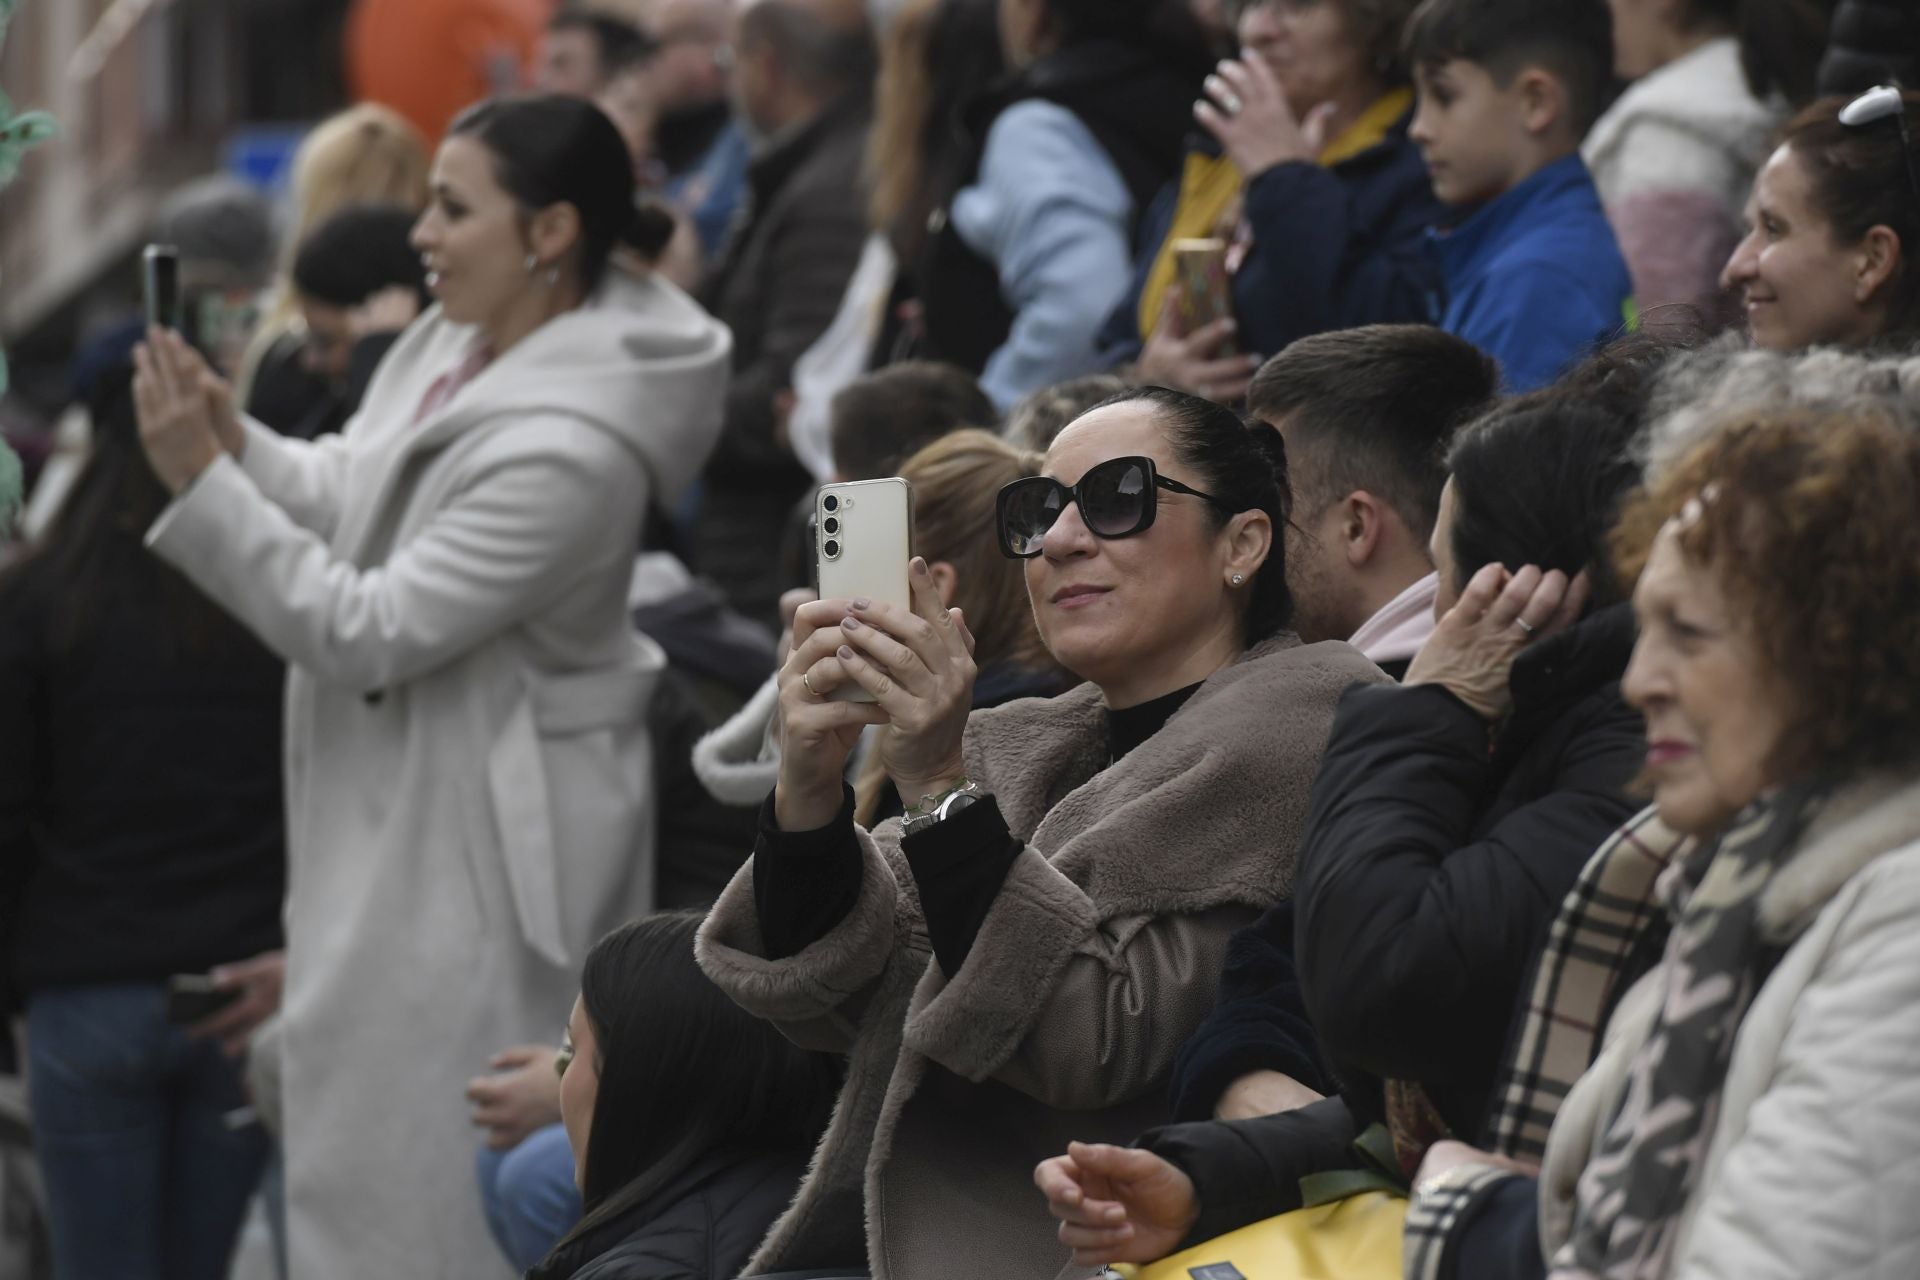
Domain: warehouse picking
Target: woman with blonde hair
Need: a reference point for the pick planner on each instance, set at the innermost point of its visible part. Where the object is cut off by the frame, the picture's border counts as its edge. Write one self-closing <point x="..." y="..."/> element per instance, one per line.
<point x="367" y="154"/>
<point x="956" y="480"/>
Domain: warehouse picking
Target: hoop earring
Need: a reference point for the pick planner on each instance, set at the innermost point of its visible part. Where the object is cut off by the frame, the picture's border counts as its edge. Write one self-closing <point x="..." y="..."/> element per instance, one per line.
<point x="553" y="276"/>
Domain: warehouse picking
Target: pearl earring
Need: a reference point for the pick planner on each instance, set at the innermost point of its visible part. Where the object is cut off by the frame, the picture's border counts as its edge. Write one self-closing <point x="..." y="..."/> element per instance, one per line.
<point x="1239" y="579"/>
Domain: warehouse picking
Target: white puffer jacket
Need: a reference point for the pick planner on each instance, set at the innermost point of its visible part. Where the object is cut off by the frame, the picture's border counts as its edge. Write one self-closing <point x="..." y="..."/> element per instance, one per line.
<point x="1814" y="1164"/>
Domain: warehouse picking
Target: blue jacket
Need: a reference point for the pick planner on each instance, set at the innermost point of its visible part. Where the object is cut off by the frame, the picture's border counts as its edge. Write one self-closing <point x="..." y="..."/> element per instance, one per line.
<point x="1333" y="247"/>
<point x="1534" y="277"/>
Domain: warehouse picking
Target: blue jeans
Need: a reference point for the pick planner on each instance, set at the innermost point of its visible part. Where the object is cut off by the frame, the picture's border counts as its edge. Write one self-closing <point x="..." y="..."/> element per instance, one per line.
<point x="146" y="1177"/>
<point x="529" y="1195"/>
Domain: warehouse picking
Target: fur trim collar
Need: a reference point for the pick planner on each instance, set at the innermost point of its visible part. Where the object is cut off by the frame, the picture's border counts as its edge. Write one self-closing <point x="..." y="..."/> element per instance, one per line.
<point x="1861" y="823"/>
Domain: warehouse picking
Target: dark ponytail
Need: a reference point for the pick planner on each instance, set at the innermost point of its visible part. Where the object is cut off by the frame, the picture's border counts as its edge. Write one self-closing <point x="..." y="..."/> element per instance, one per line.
<point x="1780" y="42"/>
<point x="650" y="230"/>
<point x="1244" y="466"/>
<point x="551" y="149"/>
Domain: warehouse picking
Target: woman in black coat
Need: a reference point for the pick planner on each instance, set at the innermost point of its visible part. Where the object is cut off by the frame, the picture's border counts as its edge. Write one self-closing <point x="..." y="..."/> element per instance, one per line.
<point x="1450" y="816"/>
<point x="690" y="1120"/>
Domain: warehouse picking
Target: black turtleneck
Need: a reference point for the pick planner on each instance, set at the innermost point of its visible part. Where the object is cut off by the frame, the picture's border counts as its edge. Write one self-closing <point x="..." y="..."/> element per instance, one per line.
<point x="805" y="882"/>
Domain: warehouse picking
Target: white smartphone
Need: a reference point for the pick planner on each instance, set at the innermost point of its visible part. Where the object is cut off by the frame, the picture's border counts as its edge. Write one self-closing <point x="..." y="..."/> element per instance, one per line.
<point x="863" y="539"/>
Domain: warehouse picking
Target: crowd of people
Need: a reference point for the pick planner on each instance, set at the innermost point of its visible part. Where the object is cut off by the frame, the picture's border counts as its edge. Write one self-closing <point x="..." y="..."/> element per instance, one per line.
<point x="1404" y="687"/>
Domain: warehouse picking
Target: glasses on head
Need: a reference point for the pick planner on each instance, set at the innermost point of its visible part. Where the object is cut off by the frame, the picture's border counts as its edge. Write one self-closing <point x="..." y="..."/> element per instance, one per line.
<point x="563" y="1059"/>
<point x="1885" y="102"/>
<point x="1117" y="499"/>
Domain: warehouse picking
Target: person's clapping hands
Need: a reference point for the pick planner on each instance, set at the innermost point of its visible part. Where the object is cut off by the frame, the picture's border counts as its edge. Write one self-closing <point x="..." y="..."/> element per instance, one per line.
<point x="1472" y="652"/>
<point x="1117" y="1204"/>
<point x="918" y="667"/>
<point x="1246" y="108"/>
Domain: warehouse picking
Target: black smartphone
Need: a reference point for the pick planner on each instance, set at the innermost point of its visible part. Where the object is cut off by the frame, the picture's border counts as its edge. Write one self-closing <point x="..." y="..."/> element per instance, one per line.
<point x="160" y="281"/>
<point x="192" y="997"/>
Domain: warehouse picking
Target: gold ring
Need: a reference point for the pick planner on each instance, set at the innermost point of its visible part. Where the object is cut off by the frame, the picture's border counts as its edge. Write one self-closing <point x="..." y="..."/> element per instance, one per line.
<point x="806" y="678"/>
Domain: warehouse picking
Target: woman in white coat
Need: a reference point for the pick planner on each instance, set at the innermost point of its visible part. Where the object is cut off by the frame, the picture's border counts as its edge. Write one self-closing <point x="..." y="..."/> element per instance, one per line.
<point x="466" y="757"/>
<point x="1752" y="1108"/>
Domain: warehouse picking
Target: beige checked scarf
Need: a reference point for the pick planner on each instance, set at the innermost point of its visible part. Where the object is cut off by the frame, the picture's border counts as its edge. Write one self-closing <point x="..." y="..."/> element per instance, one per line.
<point x="1608" y="910"/>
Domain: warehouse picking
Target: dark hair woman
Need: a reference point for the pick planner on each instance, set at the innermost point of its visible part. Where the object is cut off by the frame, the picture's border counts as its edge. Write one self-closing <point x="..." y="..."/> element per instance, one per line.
<point x="690" y="1119"/>
<point x="1778" y="667"/>
<point x="1065" y="155"/>
<point x="1450" y="816"/>
<point x="141" y="837"/>
<point x="447" y="579"/>
<point x="1832" y="228"/>
<point x="1018" y="961"/>
<point x="1676" y="153"/>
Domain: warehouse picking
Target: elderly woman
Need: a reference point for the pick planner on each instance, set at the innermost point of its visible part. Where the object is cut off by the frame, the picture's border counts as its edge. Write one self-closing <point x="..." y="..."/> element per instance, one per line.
<point x="1450" y="816"/>
<point x="1019" y="961"/>
<point x="1309" y="177"/>
<point x="1831" y="227"/>
<point x="1770" y="1050"/>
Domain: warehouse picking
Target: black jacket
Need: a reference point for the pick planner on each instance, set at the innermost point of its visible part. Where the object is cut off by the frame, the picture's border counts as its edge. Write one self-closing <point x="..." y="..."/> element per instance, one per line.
<point x="703" y="1227"/>
<point x="1870" y="42"/>
<point x="777" y="286"/>
<point x="296" y="402"/>
<point x="1430" y="872"/>
<point x="141" y="824"/>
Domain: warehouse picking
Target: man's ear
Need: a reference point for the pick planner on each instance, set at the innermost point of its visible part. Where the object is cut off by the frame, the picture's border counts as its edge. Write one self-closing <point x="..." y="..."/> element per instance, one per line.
<point x="1875" y="262"/>
<point x="1542" y="98"/>
<point x="1360" y="526"/>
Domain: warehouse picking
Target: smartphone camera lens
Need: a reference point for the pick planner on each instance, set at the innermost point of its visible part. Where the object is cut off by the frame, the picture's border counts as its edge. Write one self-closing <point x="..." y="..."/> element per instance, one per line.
<point x="832" y="548"/>
<point x="832" y="525"/>
<point x="831" y="502"/>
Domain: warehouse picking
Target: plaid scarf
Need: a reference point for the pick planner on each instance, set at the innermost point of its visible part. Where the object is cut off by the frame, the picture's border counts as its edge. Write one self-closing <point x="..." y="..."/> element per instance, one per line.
<point x="1639" y="1179"/>
<point x="1592" y="935"/>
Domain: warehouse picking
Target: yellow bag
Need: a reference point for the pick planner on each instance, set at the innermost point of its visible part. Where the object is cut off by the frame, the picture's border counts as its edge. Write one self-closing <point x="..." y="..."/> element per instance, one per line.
<point x="1357" y="1238"/>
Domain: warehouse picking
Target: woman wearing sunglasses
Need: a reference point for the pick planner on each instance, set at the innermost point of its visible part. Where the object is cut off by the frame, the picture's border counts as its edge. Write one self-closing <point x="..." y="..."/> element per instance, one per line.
<point x="1019" y="961"/>
<point x="1831" y="226"/>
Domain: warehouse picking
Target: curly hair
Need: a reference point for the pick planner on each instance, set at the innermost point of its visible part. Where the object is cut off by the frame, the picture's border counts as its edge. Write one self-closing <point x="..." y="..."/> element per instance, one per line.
<point x="1806" y="517"/>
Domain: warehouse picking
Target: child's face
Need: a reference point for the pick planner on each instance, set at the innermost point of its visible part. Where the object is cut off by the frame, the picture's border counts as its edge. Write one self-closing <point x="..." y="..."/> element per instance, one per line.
<point x="1471" y="132"/>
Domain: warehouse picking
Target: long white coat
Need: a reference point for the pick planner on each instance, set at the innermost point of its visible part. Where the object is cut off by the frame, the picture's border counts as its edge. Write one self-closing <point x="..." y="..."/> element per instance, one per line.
<point x="467" y="764"/>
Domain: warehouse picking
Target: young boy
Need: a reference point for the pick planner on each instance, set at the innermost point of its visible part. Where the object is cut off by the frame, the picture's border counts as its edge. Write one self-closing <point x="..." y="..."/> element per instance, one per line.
<point x="1507" y="89"/>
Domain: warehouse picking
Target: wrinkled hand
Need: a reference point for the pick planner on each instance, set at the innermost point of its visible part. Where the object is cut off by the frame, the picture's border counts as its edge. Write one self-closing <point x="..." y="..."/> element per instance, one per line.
<point x="523" y="1097"/>
<point x="1471" y="653"/>
<point x="185" y="410"/>
<point x="1246" y="109"/>
<point x="388" y="311"/>
<point x="1117" y="1204"/>
<point x="1445" y="1156"/>
<point x="1262" y="1093"/>
<point x="260" y="982"/>
<point x="1194" y="362"/>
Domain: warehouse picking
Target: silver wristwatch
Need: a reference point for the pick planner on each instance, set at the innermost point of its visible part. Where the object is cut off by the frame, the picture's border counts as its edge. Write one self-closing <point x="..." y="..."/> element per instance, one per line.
<point x="932" y="809"/>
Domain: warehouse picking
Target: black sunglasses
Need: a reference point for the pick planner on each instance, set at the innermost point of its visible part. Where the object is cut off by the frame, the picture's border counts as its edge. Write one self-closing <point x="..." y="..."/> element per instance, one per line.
<point x="1117" y="499"/>
<point x="1884" y="102"/>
